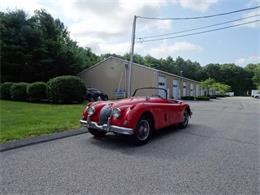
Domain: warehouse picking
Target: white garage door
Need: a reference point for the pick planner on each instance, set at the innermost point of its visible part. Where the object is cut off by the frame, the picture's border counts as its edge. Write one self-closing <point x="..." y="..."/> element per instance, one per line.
<point x="191" y="89"/>
<point x="197" y="90"/>
<point x="162" y="84"/>
<point x="184" y="89"/>
<point x="175" y="89"/>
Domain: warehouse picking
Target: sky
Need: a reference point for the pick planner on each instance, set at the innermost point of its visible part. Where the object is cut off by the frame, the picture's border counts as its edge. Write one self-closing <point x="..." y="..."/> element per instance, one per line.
<point x="106" y="25"/>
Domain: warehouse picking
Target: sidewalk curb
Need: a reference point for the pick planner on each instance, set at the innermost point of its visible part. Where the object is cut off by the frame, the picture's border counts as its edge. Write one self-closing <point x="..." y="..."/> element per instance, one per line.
<point x="40" y="139"/>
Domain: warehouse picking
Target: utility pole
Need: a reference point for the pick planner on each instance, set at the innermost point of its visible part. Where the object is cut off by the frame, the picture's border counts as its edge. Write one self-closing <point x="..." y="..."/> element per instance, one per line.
<point x="131" y="58"/>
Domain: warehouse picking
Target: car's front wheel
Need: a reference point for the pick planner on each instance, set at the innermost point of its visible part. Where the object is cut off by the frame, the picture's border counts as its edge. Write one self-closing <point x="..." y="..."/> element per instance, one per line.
<point x="96" y="133"/>
<point x="144" y="130"/>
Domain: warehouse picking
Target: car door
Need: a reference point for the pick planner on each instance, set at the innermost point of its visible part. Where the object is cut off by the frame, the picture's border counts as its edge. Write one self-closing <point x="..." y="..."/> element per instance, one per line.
<point x="173" y="111"/>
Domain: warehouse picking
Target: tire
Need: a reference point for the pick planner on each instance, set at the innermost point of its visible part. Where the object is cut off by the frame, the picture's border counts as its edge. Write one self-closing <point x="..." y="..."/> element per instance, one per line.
<point x="97" y="133"/>
<point x="105" y="98"/>
<point x="144" y="130"/>
<point x="185" y="123"/>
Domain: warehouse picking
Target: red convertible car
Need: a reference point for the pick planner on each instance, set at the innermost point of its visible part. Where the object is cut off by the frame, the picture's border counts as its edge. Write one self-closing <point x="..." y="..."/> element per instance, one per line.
<point x="138" y="116"/>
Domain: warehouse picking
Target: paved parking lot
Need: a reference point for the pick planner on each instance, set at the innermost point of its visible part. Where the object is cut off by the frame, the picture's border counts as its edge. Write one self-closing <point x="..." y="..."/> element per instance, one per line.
<point x="219" y="153"/>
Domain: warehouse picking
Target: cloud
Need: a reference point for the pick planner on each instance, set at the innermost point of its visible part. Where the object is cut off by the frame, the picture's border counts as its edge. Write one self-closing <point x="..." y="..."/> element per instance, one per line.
<point x="120" y="48"/>
<point x="104" y="25"/>
<point x="248" y="60"/>
<point x="197" y="5"/>
<point x="29" y="6"/>
<point x="253" y="2"/>
<point x="250" y="14"/>
<point x="106" y="21"/>
<point x="166" y="49"/>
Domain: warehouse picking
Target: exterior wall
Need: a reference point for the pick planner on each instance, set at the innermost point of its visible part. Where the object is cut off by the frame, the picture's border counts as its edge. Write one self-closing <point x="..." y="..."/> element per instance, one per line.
<point x="210" y="92"/>
<point x="197" y="90"/>
<point x="204" y="92"/>
<point x="143" y="77"/>
<point x="200" y="91"/>
<point x="105" y="76"/>
<point x="112" y="74"/>
<point x="192" y="91"/>
<point x="181" y="81"/>
<point x="184" y="88"/>
<point x="169" y="84"/>
<point x="188" y="88"/>
<point x="192" y="87"/>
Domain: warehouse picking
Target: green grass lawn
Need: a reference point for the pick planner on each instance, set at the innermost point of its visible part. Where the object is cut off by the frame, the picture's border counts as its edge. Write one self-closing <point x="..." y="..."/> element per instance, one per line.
<point x="22" y="119"/>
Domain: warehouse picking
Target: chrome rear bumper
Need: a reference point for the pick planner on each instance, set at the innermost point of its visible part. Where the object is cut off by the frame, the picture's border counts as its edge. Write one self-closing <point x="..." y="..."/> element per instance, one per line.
<point x="107" y="127"/>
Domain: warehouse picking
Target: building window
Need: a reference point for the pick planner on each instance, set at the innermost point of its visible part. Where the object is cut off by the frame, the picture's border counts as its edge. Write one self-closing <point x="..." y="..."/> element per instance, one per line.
<point x="161" y="84"/>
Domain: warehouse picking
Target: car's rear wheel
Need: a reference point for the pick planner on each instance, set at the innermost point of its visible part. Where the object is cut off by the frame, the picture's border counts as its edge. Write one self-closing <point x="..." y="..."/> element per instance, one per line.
<point x="143" y="131"/>
<point x="185" y="123"/>
<point x="96" y="133"/>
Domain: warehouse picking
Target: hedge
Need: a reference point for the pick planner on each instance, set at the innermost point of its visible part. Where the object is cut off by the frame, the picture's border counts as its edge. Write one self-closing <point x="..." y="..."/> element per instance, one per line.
<point x="205" y="98"/>
<point x="187" y="98"/>
<point x="5" y="90"/>
<point x="18" y="91"/>
<point x="66" y="89"/>
<point x="221" y="95"/>
<point x="37" y="91"/>
<point x="213" y="97"/>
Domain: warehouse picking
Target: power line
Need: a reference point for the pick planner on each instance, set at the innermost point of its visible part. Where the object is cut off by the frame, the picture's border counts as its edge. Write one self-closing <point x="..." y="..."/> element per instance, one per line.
<point x="199" y="17"/>
<point x="201" y="32"/>
<point x="198" y="28"/>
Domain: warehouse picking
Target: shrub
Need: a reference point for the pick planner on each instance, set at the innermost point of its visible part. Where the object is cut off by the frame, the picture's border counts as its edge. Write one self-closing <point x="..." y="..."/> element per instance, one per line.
<point x="6" y="90"/>
<point x="187" y="98"/>
<point x="66" y="89"/>
<point x="204" y="98"/>
<point x="18" y="91"/>
<point x="221" y="95"/>
<point x="37" y="91"/>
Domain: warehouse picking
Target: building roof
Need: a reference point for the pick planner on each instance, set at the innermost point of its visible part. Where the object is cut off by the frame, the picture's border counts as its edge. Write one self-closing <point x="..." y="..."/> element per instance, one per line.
<point x="140" y="65"/>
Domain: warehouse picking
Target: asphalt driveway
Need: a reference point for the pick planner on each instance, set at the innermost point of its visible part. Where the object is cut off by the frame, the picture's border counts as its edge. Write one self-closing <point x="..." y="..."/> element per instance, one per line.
<point x="219" y="153"/>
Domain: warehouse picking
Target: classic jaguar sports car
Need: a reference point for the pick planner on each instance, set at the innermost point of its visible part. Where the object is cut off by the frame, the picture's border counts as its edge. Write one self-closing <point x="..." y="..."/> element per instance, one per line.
<point x="138" y="116"/>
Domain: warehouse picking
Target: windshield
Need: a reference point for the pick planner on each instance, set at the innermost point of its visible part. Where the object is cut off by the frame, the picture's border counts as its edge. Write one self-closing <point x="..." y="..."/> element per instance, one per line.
<point x="152" y="92"/>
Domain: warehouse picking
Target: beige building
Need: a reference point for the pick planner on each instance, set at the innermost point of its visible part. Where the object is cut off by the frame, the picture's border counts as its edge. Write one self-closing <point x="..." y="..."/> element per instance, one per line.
<point x="111" y="76"/>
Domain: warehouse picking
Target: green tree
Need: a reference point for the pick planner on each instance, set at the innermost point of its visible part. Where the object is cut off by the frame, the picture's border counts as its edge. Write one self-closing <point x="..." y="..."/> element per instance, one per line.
<point x="222" y="88"/>
<point x="136" y="58"/>
<point x="256" y="77"/>
<point x="39" y="48"/>
<point x="208" y="83"/>
<point x="211" y="83"/>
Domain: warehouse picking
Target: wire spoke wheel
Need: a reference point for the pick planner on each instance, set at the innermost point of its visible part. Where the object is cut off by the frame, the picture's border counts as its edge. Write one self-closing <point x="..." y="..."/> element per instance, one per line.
<point x="143" y="130"/>
<point x="186" y="118"/>
<point x="185" y="122"/>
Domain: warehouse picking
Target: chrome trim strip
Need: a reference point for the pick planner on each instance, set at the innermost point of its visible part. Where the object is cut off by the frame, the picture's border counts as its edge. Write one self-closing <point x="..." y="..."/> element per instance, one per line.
<point x="107" y="127"/>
